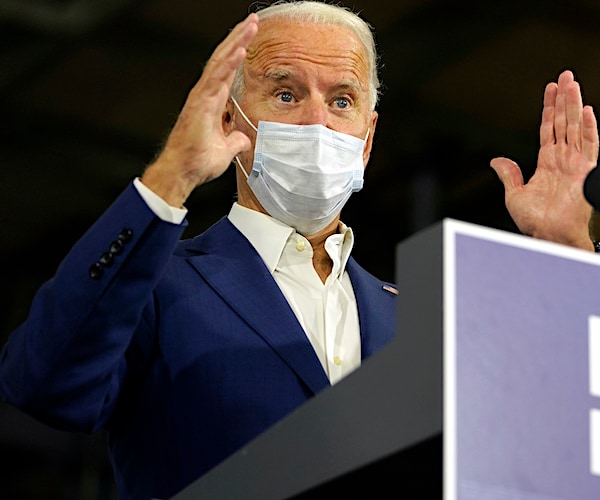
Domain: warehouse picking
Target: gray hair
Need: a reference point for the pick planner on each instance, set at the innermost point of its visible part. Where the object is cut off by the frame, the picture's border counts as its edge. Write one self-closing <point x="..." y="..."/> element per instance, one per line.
<point x="322" y="13"/>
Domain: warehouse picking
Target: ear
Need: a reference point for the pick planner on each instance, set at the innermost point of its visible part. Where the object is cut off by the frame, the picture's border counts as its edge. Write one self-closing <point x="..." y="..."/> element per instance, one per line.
<point x="227" y="117"/>
<point x="369" y="141"/>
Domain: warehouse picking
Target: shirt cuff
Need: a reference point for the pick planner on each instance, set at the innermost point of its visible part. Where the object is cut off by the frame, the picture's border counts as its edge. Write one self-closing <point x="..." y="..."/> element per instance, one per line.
<point x="160" y="207"/>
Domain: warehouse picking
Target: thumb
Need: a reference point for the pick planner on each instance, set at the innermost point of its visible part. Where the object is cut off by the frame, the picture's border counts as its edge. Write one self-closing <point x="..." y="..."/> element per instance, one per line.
<point x="509" y="173"/>
<point x="238" y="142"/>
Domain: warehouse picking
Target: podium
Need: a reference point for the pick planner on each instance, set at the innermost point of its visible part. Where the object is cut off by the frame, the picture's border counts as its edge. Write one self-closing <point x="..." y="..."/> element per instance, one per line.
<point x="489" y="391"/>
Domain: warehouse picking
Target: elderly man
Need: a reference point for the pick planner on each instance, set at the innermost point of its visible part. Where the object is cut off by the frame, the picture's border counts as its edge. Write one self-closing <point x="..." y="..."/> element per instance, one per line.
<point x="186" y="350"/>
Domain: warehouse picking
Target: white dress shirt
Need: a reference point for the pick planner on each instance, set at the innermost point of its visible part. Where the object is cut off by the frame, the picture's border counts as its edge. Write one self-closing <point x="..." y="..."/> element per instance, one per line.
<point x="326" y="311"/>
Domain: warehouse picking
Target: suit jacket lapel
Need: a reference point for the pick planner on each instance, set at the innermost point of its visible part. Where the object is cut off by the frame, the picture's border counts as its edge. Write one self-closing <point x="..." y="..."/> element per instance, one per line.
<point x="225" y="258"/>
<point x="376" y="309"/>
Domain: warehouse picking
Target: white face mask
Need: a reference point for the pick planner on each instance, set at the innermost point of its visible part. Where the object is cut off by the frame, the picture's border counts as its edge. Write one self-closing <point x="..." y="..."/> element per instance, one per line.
<point x="303" y="175"/>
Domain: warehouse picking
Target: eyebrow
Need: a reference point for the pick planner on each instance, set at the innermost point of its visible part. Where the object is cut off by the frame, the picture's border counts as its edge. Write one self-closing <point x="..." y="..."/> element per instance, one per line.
<point x="279" y="75"/>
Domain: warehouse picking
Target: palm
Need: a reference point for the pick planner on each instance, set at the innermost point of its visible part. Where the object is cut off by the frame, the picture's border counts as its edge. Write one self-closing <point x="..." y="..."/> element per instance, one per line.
<point x="551" y="204"/>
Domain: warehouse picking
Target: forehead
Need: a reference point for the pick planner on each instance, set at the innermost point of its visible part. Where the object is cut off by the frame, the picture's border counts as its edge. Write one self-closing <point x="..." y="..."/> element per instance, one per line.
<point x="300" y="46"/>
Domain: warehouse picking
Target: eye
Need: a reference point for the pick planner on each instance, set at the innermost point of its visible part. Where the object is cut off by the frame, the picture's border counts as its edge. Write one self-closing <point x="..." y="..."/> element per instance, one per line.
<point x="342" y="102"/>
<point x="286" y="96"/>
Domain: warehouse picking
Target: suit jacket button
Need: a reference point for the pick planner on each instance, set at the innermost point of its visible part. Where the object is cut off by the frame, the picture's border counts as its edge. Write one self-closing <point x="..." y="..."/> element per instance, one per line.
<point x="116" y="247"/>
<point x="125" y="234"/>
<point x="96" y="271"/>
<point x="106" y="259"/>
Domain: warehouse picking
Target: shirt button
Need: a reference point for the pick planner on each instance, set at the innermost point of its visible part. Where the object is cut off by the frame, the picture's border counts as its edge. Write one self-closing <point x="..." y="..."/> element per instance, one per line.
<point x="338" y="361"/>
<point x="300" y="245"/>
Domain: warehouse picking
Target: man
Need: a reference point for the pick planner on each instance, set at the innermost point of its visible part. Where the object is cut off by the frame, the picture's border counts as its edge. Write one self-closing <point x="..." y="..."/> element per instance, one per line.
<point x="184" y="351"/>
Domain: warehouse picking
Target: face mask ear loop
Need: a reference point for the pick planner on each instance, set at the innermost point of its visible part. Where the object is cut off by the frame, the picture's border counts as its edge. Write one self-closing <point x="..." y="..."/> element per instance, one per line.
<point x="235" y="103"/>
<point x="239" y="164"/>
<point x="366" y="137"/>
<point x="237" y="160"/>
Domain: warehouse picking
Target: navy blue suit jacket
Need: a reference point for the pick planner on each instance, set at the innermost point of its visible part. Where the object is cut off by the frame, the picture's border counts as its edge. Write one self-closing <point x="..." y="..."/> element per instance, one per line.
<point x="182" y="350"/>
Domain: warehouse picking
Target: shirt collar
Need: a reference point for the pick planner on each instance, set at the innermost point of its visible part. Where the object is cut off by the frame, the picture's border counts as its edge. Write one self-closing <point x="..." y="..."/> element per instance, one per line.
<point x="268" y="236"/>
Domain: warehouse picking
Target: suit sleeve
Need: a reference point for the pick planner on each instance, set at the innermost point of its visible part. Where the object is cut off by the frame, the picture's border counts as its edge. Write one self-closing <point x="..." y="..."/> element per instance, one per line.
<point x="64" y="365"/>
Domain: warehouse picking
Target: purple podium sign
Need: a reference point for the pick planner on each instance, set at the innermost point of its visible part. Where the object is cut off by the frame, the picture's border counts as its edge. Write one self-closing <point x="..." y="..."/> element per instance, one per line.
<point x="521" y="367"/>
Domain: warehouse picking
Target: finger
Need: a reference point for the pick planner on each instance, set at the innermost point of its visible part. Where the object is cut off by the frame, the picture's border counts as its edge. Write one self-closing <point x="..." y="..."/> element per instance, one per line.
<point x="239" y="37"/>
<point x="547" y="127"/>
<point x="508" y="172"/>
<point x="229" y="54"/>
<point x="574" y="112"/>
<point x="560" y="111"/>
<point x="590" y="135"/>
<point x="565" y="78"/>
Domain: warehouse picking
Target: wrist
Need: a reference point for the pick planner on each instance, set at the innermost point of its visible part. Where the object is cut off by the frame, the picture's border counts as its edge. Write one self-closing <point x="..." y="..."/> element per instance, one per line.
<point x="169" y="186"/>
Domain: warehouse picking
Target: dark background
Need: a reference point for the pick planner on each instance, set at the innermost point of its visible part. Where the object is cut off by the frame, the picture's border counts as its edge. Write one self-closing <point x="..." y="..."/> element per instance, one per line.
<point x="89" y="88"/>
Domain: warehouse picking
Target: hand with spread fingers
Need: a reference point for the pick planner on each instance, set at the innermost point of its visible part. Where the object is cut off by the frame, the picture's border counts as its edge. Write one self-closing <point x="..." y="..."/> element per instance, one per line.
<point x="551" y="205"/>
